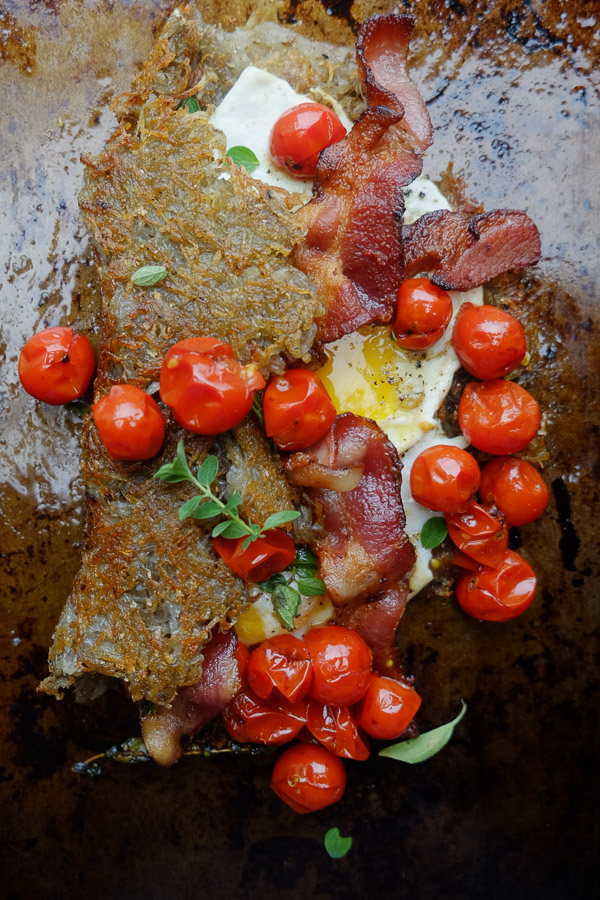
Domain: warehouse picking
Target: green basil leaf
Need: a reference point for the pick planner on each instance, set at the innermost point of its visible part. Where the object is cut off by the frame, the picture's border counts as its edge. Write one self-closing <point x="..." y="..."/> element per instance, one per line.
<point x="426" y="745"/>
<point x="336" y="845"/>
<point x="280" y="518"/>
<point x="148" y="276"/>
<point x="311" y="586"/>
<point x="306" y="557"/>
<point x="433" y="532"/>
<point x="188" y="508"/>
<point x="230" y="529"/>
<point x="243" y="156"/>
<point x="207" y="471"/>
<point x="257" y="408"/>
<point x="208" y="510"/>
<point x="190" y="104"/>
<point x="286" y="600"/>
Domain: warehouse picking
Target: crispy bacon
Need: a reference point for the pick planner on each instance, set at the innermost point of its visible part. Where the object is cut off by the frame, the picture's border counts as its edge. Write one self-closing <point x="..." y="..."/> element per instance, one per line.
<point x="376" y="621"/>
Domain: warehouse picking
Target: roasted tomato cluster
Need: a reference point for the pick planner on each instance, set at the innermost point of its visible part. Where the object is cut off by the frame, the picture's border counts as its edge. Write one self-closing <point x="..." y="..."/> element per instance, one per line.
<point x="320" y="689"/>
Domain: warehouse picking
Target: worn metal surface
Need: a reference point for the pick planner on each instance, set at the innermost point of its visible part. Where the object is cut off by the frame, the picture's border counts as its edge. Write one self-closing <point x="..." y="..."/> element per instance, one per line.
<point x="510" y="808"/>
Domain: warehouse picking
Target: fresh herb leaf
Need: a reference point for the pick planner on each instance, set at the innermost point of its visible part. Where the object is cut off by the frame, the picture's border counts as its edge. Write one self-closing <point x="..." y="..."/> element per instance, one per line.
<point x="426" y="745"/>
<point x="231" y="530"/>
<point x="274" y="580"/>
<point x="433" y="532"/>
<point x="79" y="407"/>
<point x="257" y="408"/>
<point x="311" y="586"/>
<point x="305" y="571"/>
<point x="336" y="845"/>
<point x="280" y="518"/>
<point x="190" y="104"/>
<point x="306" y="557"/>
<point x="286" y="601"/>
<point x="207" y="510"/>
<point x="148" y="276"/>
<point x="232" y="504"/>
<point x="188" y="508"/>
<point x="207" y="471"/>
<point x="243" y="156"/>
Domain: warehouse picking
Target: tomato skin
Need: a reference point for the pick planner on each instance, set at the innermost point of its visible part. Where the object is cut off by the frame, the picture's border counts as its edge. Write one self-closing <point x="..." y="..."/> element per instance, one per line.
<point x="251" y="719"/>
<point x="337" y="729"/>
<point x="444" y="478"/>
<point x="341" y="664"/>
<point x="129" y="422"/>
<point x="489" y="342"/>
<point x="498" y="417"/>
<point x="422" y="314"/>
<point x="282" y="662"/>
<point x="56" y="365"/>
<point x="242" y="655"/>
<point x="515" y="487"/>
<point x="387" y="708"/>
<point x="308" y="777"/>
<point x="499" y="594"/>
<point x="299" y="136"/>
<point x="297" y="409"/>
<point x="271" y="553"/>
<point x="204" y="385"/>
<point x="463" y="561"/>
<point x="480" y="532"/>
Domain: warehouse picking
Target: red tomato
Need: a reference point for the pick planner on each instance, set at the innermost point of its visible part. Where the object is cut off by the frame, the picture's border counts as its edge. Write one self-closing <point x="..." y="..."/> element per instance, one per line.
<point x="281" y="662"/>
<point x="488" y="341"/>
<point x="56" y="365"/>
<point x="480" y="532"/>
<point x="308" y="777"/>
<point x="297" y="409"/>
<point x="444" y="478"/>
<point x="463" y="561"/>
<point x="498" y="417"/>
<point x="271" y="553"/>
<point x="337" y="729"/>
<point x="387" y="708"/>
<point x="130" y="423"/>
<point x="515" y="487"/>
<point x="208" y="390"/>
<point x="341" y="664"/>
<point x="499" y="594"/>
<point x="250" y="719"/>
<point x="300" y="134"/>
<point x="241" y="654"/>
<point x="422" y="315"/>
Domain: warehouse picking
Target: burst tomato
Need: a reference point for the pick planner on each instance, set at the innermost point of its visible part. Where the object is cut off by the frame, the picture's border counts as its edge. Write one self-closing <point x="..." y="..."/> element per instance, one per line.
<point x="488" y="341"/>
<point x="480" y="532"/>
<point x="308" y="777"/>
<point x="498" y="417"/>
<point x="387" y="708"/>
<point x="208" y="390"/>
<point x="463" y="561"/>
<point x="242" y="654"/>
<point x="515" y="487"/>
<point x="56" y="365"/>
<point x="341" y="664"/>
<point x="251" y="719"/>
<point x="297" y="409"/>
<point x="129" y="422"/>
<point x="270" y="553"/>
<point x="444" y="478"/>
<point x="300" y="134"/>
<point x="281" y="662"/>
<point x="336" y="728"/>
<point x="422" y="314"/>
<point x="498" y="594"/>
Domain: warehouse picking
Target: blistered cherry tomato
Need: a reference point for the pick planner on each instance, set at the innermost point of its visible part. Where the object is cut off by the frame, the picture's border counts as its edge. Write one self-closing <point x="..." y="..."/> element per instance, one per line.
<point x="463" y="561"/>
<point x="516" y="487"/>
<point x="308" y="777"/>
<point x="488" y="341"/>
<point x="297" y="409"/>
<point x="300" y="134"/>
<point x="341" y="664"/>
<point x="480" y="532"/>
<point x="498" y="417"/>
<point x="336" y="728"/>
<point x="387" y="708"/>
<point x="130" y="423"/>
<point x="242" y="654"/>
<point x="56" y="365"/>
<point x="498" y="594"/>
<point x="422" y="314"/>
<point x="444" y="478"/>
<point x="250" y="719"/>
<point x="271" y="553"/>
<point x="281" y="662"/>
<point x="208" y="390"/>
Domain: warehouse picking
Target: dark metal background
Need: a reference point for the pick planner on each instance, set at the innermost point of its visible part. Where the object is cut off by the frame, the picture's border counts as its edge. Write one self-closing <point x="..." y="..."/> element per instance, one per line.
<point x="510" y="809"/>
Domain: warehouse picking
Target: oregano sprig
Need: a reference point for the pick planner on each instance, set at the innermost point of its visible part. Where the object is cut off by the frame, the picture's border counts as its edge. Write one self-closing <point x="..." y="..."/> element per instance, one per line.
<point x="288" y="587"/>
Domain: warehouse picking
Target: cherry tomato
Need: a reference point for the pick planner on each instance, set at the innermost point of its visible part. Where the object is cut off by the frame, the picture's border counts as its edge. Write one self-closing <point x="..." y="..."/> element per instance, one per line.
<point x="130" y="423"/>
<point x="499" y="594"/>
<point x="444" y="478"/>
<point x="308" y="777"/>
<point x="297" y="409"/>
<point x="242" y="655"/>
<point x="341" y="664"/>
<point x="480" y="532"/>
<point x="515" y="487"/>
<point x="56" y="365"/>
<point x="271" y="553"/>
<point x="250" y="719"/>
<point x="498" y="416"/>
<point x="463" y="561"/>
<point x="208" y="390"/>
<point x="488" y="341"/>
<point x="300" y="134"/>
<point x="281" y="662"/>
<point x="387" y="708"/>
<point x="422" y="315"/>
<point x="337" y="729"/>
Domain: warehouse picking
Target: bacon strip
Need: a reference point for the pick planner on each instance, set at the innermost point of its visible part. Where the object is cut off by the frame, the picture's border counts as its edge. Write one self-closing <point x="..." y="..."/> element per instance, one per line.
<point x="377" y="621"/>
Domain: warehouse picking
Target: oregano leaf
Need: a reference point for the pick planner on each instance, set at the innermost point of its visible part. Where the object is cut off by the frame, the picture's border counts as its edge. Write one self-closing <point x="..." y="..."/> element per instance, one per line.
<point x="286" y="601"/>
<point x="336" y="845"/>
<point x="280" y="518"/>
<point x="188" y="508"/>
<point x="208" y="510"/>
<point x="243" y="156"/>
<point x="311" y="586"/>
<point x="148" y="276"/>
<point x="433" y="532"/>
<point x="207" y="471"/>
<point x="190" y="104"/>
